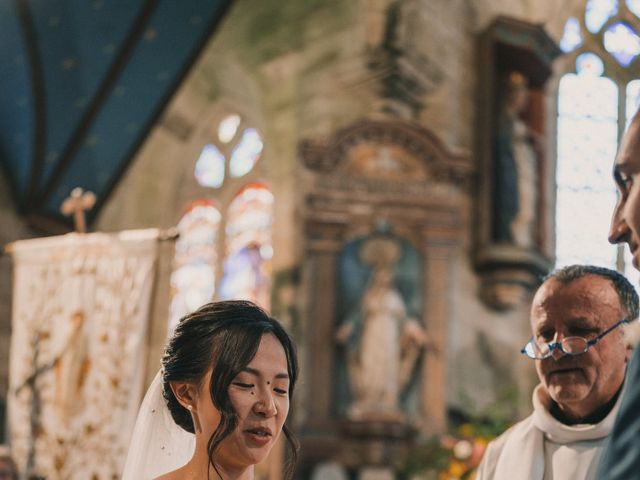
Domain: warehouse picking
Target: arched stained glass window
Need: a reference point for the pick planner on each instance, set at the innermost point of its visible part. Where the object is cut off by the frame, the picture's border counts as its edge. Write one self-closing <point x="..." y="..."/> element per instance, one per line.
<point x="193" y="277"/>
<point x="596" y="98"/>
<point x="234" y="151"/>
<point x="247" y="267"/>
<point x="224" y="249"/>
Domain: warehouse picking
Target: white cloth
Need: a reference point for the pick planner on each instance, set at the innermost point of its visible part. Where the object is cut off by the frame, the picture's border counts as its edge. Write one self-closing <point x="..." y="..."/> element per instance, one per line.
<point x="81" y="306"/>
<point x="158" y="445"/>
<point x="542" y="448"/>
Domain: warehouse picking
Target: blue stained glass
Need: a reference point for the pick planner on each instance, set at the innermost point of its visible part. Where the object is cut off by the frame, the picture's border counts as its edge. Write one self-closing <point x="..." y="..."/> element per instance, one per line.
<point x="247" y="268"/>
<point x="245" y="275"/>
<point x="634" y="6"/>
<point x="571" y="37"/>
<point x="246" y="153"/>
<point x="622" y="42"/>
<point x="589" y="64"/>
<point x="598" y="12"/>
<point x="209" y="170"/>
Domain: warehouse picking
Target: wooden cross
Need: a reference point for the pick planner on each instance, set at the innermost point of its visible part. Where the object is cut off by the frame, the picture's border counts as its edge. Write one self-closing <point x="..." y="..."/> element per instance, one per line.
<point x="76" y="204"/>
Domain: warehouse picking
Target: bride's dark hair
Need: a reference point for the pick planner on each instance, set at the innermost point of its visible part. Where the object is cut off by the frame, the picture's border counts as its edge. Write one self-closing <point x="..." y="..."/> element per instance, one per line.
<point x="226" y="336"/>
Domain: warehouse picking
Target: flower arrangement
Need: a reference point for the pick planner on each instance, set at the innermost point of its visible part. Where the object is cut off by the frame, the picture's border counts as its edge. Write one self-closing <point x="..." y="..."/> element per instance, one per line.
<point x="457" y="454"/>
<point x="453" y="456"/>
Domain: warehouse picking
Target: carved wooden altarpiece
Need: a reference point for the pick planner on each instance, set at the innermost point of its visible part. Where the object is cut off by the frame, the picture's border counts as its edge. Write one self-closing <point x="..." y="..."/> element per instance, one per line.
<point x="390" y="179"/>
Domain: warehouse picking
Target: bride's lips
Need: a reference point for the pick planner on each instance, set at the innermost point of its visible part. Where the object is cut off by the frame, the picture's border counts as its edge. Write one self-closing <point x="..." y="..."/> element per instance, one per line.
<point x="259" y="435"/>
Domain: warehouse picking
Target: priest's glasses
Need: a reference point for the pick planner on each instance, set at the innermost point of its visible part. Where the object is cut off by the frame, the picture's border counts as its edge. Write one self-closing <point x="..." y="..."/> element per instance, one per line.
<point x="568" y="345"/>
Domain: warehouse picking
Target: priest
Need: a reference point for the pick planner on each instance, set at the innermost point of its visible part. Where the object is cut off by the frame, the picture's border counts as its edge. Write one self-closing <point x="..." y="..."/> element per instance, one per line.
<point x="580" y="357"/>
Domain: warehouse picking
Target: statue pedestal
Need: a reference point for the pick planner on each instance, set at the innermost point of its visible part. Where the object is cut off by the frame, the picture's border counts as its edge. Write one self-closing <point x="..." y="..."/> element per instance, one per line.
<point x="376" y="473"/>
<point x="375" y="444"/>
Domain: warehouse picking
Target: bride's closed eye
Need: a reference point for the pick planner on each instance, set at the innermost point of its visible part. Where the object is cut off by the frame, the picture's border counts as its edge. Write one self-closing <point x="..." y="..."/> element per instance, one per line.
<point x="243" y="385"/>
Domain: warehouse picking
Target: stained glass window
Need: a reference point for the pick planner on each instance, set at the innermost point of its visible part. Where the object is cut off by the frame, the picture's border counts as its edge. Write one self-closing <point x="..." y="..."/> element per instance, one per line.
<point x="228" y="128"/>
<point x="634" y="6"/>
<point x="193" y="277"/>
<point x="589" y="64"/>
<point x="595" y="102"/>
<point x="587" y="139"/>
<point x="622" y="42"/>
<point x="229" y="154"/>
<point x="571" y="37"/>
<point x="598" y="12"/>
<point x="246" y="153"/>
<point x="210" y="167"/>
<point x="247" y="268"/>
<point x="209" y="265"/>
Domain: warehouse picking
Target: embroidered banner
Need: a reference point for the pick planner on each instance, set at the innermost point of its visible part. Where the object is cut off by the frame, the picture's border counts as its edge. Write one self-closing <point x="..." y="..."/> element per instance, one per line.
<point x="81" y="307"/>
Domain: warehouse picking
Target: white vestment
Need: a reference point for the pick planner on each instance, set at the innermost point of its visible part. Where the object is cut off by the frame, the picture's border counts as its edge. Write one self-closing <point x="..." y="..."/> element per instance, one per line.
<point x="542" y="448"/>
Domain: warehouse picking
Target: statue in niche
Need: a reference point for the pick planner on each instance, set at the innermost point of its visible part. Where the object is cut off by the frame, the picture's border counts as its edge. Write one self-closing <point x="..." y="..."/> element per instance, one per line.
<point x="517" y="156"/>
<point x="383" y="343"/>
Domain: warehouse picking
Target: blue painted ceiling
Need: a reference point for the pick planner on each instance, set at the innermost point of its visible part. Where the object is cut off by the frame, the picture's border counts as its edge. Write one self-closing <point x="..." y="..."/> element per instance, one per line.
<point x="83" y="82"/>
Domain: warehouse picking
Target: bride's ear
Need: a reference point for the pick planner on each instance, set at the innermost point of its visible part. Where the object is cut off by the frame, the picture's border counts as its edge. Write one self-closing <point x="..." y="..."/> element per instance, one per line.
<point x="185" y="393"/>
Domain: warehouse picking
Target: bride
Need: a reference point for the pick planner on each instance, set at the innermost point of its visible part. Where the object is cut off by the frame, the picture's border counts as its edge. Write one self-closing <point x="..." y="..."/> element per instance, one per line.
<point x="227" y="376"/>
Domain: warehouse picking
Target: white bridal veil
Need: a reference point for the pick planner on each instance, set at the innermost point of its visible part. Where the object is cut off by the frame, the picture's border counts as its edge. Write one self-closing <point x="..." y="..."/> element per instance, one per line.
<point x="158" y="445"/>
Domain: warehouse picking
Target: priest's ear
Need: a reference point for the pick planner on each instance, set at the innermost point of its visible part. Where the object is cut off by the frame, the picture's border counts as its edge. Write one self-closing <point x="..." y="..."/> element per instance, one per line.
<point x="185" y="393"/>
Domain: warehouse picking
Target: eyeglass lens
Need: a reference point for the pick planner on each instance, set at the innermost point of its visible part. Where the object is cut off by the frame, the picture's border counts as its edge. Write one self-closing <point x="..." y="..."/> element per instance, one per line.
<point x="569" y="345"/>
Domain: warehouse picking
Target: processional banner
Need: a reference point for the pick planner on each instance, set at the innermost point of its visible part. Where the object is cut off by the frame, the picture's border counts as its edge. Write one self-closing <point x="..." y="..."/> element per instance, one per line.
<point x="81" y="308"/>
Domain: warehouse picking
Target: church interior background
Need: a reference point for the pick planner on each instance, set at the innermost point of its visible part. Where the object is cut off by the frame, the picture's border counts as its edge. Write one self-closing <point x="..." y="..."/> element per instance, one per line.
<point x="332" y="160"/>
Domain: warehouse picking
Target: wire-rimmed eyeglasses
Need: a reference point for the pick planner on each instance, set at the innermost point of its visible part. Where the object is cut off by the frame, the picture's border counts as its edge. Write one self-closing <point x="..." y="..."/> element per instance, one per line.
<point x="568" y="345"/>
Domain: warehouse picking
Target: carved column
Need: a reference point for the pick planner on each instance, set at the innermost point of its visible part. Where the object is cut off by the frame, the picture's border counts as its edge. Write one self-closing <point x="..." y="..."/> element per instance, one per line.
<point x="322" y="253"/>
<point x="440" y="246"/>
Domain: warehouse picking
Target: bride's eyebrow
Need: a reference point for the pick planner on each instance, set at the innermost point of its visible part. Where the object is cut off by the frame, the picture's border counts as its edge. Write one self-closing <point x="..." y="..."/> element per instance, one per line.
<point x="253" y="371"/>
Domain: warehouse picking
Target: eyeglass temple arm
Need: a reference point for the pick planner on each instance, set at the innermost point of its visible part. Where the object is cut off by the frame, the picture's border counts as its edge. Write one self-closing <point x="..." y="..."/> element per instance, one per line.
<point x="608" y="330"/>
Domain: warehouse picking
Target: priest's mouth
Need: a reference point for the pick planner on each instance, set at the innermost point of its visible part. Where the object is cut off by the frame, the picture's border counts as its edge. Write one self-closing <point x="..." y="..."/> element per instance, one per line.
<point x="565" y="371"/>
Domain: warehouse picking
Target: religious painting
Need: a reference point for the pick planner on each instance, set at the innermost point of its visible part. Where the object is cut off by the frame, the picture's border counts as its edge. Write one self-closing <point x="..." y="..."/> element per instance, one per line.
<point x="379" y="331"/>
<point x="513" y="234"/>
